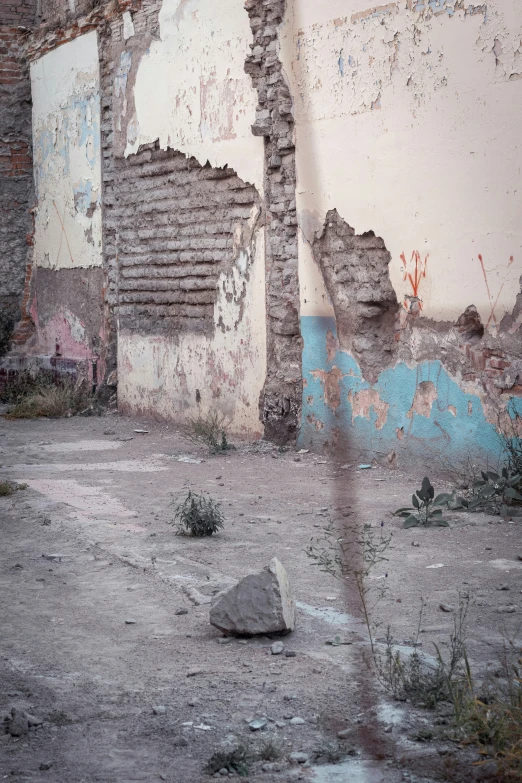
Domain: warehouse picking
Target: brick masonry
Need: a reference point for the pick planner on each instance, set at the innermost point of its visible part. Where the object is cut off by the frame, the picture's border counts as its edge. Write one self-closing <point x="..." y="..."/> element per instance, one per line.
<point x="280" y="402"/>
<point x="172" y="224"/>
<point x="16" y="178"/>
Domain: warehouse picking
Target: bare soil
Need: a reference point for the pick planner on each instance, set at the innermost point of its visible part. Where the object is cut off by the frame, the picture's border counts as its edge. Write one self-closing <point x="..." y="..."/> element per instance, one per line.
<point x="91" y="642"/>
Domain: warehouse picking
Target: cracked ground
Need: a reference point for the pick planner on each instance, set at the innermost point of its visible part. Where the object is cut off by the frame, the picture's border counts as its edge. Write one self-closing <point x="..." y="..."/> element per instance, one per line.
<point x="93" y="575"/>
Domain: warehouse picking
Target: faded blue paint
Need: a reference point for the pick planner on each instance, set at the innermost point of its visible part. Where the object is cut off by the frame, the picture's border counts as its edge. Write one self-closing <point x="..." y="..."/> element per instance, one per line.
<point x="451" y="435"/>
<point x="88" y="118"/>
<point x="83" y="195"/>
<point x="340" y="63"/>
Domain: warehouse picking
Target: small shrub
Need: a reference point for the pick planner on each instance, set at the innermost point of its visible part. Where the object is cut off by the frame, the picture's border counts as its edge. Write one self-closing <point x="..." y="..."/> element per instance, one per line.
<point x="237" y="760"/>
<point x="270" y="751"/>
<point x="10" y="487"/>
<point x="198" y="515"/>
<point x="210" y="429"/>
<point x="426" y="511"/>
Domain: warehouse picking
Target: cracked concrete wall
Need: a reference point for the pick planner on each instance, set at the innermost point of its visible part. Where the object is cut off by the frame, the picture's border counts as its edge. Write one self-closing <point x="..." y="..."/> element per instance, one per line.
<point x="406" y="122"/>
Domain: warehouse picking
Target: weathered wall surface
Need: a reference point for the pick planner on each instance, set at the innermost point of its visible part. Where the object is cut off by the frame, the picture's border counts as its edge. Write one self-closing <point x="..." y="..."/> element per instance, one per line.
<point x="407" y="118"/>
<point x="65" y="290"/>
<point x="185" y="219"/>
<point x="16" y="185"/>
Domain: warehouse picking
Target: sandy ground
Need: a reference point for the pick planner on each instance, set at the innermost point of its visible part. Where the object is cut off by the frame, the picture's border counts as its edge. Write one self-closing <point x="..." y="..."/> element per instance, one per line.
<point x="100" y="496"/>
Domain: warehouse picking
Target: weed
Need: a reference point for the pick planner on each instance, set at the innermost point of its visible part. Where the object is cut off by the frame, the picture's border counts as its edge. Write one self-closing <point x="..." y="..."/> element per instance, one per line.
<point x="42" y="395"/>
<point x="236" y="759"/>
<point x="210" y="429"/>
<point x="426" y="511"/>
<point x="492" y="721"/>
<point x="198" y="515"/>
<point x="351" y="556"/>
<point x="10" y="487"/>
<point x="270" y="751"/>
<point x="413" y="679"/>
<point x="328" y="753"/>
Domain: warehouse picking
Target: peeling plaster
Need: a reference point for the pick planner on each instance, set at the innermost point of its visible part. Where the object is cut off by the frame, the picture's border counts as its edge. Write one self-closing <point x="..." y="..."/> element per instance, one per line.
<point x="414" y="410"/>
<point x="189" y="373"/>
<point x="67" y="162"/>
<point x="432" y="171"/>
<point x="192" y="92"/>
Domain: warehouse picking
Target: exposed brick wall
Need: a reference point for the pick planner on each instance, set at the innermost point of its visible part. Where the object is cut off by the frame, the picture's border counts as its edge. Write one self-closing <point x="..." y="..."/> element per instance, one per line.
<point x="16" y="180"/>
<point x="173" y="224"/>
<point x="17" y="12"/>
<point x="281" y="399"/>
<point x="355" y="270"/>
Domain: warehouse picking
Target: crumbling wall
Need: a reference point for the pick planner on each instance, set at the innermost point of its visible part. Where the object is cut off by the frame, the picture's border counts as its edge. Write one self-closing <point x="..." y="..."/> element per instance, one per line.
<point x="280" y="402"/>
<point x="405" y="120"/>
<point x="184" y="225"/>
<point x="16" y="188"/>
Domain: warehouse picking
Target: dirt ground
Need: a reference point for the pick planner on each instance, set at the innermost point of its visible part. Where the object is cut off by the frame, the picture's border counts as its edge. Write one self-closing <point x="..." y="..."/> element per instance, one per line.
<point x="91" y="643"/>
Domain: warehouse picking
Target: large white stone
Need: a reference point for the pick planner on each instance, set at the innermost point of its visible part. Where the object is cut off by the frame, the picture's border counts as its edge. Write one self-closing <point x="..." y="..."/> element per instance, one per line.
<point x="259" y="604"/>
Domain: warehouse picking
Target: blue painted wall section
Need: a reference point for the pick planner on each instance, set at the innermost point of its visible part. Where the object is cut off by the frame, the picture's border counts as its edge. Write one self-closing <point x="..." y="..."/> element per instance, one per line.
<point x="451" y="424"/>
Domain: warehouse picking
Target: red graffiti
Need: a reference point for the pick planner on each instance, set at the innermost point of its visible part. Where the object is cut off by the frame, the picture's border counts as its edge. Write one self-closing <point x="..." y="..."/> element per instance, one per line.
<point x="414" y="273"/>
<point x="492" y="304"/>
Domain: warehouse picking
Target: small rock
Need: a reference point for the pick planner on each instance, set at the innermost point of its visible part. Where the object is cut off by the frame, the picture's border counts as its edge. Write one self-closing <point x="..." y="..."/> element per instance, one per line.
<point x="506" y="609"/>
<point x="223" y="771"/>
<point x="32" y="720"/>
<point x="198" y="598"/>
<point x="18" y="725"/>
<point x="130" y="622"/>
<point x="272" y="766"/>
<point x="280" y="724"/>
<point x="277" y="648"/>
<point x="44" y="766"/>
<point x="297" y="721"/>
<point x="344" y="734"/>
<point x="180" y="742"/>
<point x="160" y="709"/>
<point x="194" y="672"/>
<point x="224" y="640"/>
<point x="257" y="724"/>
<point x="415" y="543"/>
<point x="290" y="654"/>
<point x="109" y="432"/>
<point x="181" y="610"/>
<point x="298" y="757"/>
<point x="446" y="608"/>
<point x="503" y="587"/>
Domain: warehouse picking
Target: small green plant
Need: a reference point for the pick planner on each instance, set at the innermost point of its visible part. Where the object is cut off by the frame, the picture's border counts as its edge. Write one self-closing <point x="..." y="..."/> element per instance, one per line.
<point x="236" y="759"/>
<point x="210" y="429"/>
<point x="427" y="509"/>
<point x="350" y="555"/>
<point x="198" y="515"/>
<point x="494" y="492"/>
<point x="8" y="488"/>
<point x="270" y="751"/>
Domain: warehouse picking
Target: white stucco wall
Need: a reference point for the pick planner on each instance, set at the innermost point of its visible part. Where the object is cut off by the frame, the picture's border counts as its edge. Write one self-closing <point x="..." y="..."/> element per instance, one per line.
<point x="192" y="92"/>
<point x="161" y="374"/>
<point x="408" y="119"/>
<point x="66" y="146"/>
